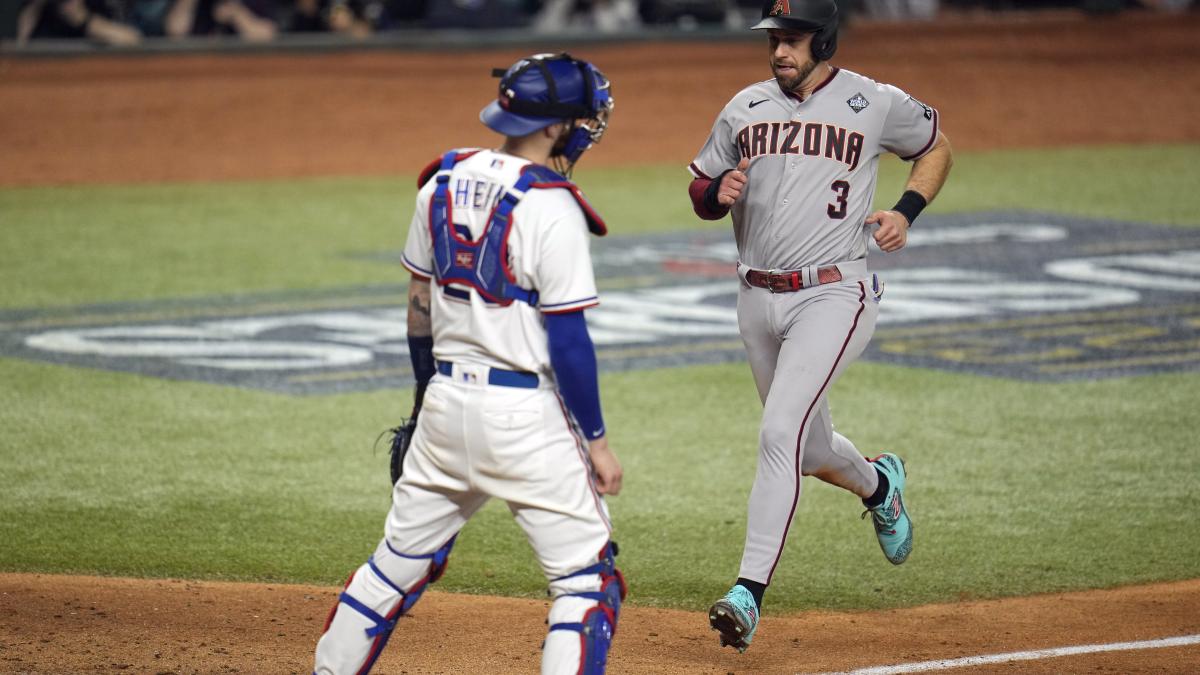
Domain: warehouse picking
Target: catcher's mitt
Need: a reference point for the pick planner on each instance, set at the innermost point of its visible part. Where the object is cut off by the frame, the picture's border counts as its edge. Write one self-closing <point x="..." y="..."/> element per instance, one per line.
<point x="402" y="435"/>
<point x="401" y="438"/>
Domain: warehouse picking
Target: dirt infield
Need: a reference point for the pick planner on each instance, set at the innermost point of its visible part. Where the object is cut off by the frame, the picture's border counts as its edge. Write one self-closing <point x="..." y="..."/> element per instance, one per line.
<point x="1131" y="79"/>
<point x="66" y="624"/>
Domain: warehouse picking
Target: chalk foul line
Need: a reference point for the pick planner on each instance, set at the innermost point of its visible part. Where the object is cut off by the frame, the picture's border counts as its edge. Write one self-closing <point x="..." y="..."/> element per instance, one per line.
<point x="925" y="666"/>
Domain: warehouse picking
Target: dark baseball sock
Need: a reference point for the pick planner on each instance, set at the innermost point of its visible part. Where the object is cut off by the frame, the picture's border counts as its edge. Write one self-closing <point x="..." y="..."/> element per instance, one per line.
<point x="756" y="589"/>
<point x="876" y="497"/>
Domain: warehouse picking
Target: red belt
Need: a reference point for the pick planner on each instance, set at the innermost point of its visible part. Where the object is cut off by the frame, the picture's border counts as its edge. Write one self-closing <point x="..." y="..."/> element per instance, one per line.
<point x="786" y="282"/>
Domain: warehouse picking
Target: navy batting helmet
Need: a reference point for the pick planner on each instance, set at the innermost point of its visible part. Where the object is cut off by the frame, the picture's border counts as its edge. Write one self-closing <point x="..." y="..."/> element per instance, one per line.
<point x="542" y="89"/>
<point x="810" y="16"/>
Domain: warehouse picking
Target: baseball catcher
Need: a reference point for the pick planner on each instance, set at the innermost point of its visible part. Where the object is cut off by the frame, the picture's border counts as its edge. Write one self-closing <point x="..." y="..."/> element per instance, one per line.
<point x="507" y="395"/>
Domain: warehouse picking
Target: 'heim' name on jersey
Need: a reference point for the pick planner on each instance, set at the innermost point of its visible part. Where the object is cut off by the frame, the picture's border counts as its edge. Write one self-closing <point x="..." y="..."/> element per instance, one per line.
<point x="480" y="195"/>
<point x="801" y="138"/>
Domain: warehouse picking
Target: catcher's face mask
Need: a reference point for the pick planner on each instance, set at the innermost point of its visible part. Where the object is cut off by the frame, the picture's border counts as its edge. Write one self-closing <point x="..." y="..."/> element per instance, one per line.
<point x="589" y="132"/>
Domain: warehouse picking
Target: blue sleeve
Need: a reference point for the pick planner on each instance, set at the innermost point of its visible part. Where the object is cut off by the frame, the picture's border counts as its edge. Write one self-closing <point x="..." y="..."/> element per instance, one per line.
<point x="574" y="361"/>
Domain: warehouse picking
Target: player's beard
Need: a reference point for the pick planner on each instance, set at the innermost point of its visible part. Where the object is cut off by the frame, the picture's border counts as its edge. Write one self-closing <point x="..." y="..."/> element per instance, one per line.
<point x="561" y="143"/>
<point x="792" y="82"/>
<point x="557" y="161"/>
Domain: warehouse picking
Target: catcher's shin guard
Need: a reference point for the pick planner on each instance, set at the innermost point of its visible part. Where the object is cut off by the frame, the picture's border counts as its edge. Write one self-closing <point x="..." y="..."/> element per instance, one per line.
<point x="361" y="622"/>
<point x="583" y="617"/>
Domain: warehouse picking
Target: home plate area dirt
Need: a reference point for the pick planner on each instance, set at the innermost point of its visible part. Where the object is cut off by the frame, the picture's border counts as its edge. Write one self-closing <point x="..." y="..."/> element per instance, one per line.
<point x="77" y="624"/>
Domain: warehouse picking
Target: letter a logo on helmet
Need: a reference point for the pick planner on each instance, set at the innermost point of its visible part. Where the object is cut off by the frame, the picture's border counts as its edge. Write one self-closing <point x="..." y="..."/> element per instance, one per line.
<point x="808" y="16"/>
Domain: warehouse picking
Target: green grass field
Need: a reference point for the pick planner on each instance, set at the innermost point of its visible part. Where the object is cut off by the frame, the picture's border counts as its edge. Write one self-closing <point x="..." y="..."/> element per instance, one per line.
<point x="1016" y="487"/>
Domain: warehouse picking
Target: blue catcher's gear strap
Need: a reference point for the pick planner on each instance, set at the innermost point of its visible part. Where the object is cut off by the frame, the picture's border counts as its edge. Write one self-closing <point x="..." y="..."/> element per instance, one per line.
<point x="546" y="178"/>
<point x="481" y="264"/>
<point x="382" y="630"/>
<point x="605" y="566"/>
<point x="496" y="241"/>
<point x="437" y="567"/>
<point x="599" y="623"/>
<point x="554" y="107"/>
<point x="595" y="635"/>
<point x="384" y="625"/>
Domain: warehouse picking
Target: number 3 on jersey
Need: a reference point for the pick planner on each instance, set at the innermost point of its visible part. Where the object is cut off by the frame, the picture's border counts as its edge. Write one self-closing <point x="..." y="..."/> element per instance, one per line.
<point x="842" y="190"/>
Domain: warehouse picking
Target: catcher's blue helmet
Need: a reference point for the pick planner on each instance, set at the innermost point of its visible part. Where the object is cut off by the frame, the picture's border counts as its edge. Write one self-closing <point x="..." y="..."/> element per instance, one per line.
<point x="542" y="89"/>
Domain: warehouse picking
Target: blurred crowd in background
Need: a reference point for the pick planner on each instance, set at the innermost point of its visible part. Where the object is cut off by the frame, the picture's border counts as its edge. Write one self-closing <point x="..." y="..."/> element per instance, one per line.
<point x="128" y="22"/>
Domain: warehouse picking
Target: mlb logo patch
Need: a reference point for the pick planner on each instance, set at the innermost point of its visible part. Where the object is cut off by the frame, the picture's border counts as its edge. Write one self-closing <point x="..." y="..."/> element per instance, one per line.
<point x="497" y="163"/>
<point x="858" y="103"/>
<point x="464" y="258"/>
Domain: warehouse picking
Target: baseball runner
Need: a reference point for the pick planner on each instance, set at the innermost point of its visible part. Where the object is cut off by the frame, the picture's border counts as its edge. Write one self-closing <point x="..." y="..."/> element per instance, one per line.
<point x="794" y="160"/>
<point x="508" y="400"/>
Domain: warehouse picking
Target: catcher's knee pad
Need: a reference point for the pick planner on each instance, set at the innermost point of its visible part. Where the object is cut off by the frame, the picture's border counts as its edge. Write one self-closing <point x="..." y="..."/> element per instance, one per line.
<point x="375" y="597"/>
<point x="586" y="602"/>
<point x="431" y="565"/>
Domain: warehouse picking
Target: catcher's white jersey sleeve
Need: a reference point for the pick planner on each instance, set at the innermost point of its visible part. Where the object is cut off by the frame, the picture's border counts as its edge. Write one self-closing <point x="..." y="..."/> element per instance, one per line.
<point x="813" y="164"/>
<point x="548" y="252"/>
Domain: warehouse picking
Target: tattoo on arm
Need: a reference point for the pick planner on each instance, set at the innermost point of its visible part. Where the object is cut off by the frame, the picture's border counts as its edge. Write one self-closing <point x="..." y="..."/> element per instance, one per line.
<point x="420" y="322"/>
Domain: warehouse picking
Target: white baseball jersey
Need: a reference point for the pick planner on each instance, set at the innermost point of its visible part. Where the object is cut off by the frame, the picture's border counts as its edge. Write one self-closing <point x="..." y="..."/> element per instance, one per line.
<point x="813" y="164"/>
<point x="477" y="440"/>
<point x="548" y="252"/>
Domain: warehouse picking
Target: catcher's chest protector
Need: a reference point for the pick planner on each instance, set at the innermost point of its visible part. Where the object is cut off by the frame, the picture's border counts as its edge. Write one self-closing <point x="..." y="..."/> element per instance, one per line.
<point x="483" y="263"/>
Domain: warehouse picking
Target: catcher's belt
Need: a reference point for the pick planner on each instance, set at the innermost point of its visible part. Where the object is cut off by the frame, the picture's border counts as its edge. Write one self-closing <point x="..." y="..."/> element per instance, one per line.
<point x="496" y="376"/>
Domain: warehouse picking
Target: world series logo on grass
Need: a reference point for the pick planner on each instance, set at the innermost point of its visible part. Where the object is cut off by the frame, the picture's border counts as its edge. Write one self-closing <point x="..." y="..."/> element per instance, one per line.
<point x="1019" y="295"/>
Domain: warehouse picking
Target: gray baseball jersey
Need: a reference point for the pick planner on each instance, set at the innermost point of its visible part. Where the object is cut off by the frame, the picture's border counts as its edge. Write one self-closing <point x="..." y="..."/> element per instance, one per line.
<point x="813" y="164"/>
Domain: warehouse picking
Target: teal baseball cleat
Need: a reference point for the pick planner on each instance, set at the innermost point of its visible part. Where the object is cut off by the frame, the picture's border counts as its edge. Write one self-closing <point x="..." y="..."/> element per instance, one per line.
<point x="736" y="617"/>
<point x="892" y="524"/>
